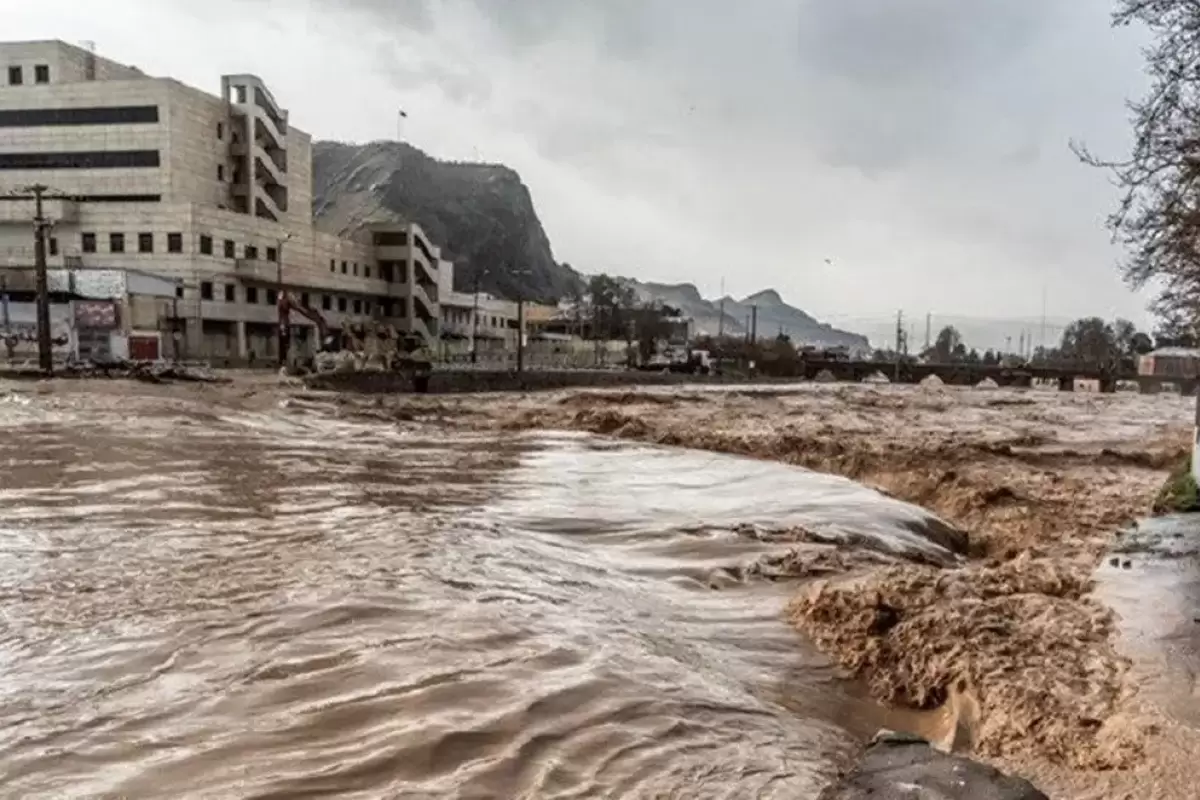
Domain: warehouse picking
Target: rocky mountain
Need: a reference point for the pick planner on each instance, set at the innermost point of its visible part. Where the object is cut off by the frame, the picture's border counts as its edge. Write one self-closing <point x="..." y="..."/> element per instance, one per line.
<point x="481" y="215"/>
<point x="774" y="315"/>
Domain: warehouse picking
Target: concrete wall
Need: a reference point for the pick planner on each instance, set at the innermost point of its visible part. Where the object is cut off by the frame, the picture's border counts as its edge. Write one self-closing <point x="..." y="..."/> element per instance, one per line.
<point x="465" y="381"/>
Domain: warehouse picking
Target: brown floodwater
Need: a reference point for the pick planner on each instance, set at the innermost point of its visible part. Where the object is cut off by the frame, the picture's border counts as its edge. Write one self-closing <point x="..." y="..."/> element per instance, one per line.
<point x="205" y="599"/>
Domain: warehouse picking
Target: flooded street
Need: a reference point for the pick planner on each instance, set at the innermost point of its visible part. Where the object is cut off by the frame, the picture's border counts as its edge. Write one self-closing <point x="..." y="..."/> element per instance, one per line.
<point x="203" y="597"/>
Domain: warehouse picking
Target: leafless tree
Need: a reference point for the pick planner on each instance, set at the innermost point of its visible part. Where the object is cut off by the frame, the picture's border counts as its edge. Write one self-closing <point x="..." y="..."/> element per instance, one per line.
<point x="1158" y="218"/>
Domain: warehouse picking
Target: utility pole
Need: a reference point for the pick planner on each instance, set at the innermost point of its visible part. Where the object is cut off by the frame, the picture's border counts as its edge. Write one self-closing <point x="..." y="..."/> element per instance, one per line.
<point x="899" y="343"/>
<point x="1043" y="341"/>
<point x="753" y="324"/>
<point x="721" y="320"/>
<point x="45" y="355"/>
<point x="520" y="331"/>
<point x="518" y="274"/>
<point x="475" y="319"/>
<point x="928" y="330"/>
<point x="284" y="322"/>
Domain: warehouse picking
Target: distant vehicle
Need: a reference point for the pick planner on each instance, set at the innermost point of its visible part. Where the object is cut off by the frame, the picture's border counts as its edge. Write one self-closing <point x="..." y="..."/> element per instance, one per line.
<point x="680" y="359"/>
<point x="812" y="353"/>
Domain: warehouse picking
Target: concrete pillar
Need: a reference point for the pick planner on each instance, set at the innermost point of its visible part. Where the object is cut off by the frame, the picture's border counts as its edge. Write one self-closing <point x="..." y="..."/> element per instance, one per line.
<point x="239" y="330"/>
<point x="193" y="332"/>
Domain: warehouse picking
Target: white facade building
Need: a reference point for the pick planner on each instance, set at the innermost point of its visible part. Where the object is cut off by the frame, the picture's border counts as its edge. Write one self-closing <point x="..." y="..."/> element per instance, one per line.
<point x="213" y="192"/>
<point x="482" y="321"/>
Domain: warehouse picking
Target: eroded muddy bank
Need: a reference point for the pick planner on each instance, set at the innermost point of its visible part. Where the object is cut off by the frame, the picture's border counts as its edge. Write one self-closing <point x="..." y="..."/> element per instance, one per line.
<point x="1041" y="481"/>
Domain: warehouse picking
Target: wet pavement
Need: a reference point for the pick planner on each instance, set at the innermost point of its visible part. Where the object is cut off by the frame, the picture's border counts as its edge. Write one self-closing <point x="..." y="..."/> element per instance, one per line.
<point x="1152" y="580"/>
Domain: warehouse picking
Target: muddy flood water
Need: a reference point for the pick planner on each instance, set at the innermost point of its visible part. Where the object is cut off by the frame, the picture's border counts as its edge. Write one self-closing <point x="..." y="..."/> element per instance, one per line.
<point x="255" y="591"/>
<point x="200" y="600"/>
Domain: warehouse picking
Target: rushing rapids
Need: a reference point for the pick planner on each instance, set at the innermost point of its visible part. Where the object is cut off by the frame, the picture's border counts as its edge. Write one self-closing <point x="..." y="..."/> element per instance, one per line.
<point x="209" y="597"/>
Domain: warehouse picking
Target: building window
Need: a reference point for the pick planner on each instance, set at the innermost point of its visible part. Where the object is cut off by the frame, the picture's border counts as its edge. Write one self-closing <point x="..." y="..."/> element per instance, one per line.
<point x="251" y="294"/>
<point x="81" y="159"/>
<point x="326" y="302"/>
<point x="355" y="265"/>
<point x="272" y="254"/>
<point x="205" y="245"/>
<point x="52" y="242"/>
<point x="230" y="252"/>
<point x="402" y="310"/>
<point x="145" y="242"/>
<point x="87" y="242"/>
<point x="206" y="290"/>
<point x="343" y="267"/>
<point x="341" y="304"/>
<point x="333" y="265"/>
<point x="304" y="300"/>
<point x="221" y="172"/>
<point x="366" y="271"/>
<point x="174" y="242"/>
<point x="41" y="73"/>
<point x="385" y="271"/>
<point x="179" y="292"/>
<point x="251" y="252"/>
<point x="402" y="272"/>
<point x="15" y="78"/>
<point x="62" y="117"/>
<point x="391" y="239"/>
<point x="387" y="307"/>
<point x="230" y="293"/>
<point x="272" y="297"/>
<point x="220" y="130"/>
<point x="358" y="306"/>
<point x="367" y="307"/>
<point x="116" y="243"/>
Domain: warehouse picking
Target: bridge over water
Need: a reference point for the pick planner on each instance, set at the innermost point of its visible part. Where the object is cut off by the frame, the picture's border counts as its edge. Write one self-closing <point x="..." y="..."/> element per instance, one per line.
<point x="971" y="374"/>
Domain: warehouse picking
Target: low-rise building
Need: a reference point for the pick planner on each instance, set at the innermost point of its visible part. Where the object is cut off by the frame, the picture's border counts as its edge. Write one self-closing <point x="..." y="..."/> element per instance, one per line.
<point x="95" y="315"/>
<point x="474" y="322"/>
<point x="1171" y="362"/>
<point x="213" y="192"/>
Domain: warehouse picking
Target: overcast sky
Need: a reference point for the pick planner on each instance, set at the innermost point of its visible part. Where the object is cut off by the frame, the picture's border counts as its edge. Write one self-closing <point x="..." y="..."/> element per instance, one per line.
<point x="918" y="145"/>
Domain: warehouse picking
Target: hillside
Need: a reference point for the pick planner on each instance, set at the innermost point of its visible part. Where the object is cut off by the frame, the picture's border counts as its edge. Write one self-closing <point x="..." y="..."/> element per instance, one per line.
<point x="481" y="215"/>
<point x="774" y="315"/>
<point x="483" y="218"/>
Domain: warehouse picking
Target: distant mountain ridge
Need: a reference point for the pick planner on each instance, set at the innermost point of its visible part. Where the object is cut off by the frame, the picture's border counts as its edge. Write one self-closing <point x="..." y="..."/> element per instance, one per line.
<point x="774" y="315"/>
<point x="483" y="218"/>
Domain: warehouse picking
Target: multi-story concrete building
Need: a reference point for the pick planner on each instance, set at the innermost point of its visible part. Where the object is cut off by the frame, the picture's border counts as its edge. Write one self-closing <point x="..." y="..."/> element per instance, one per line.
<point x="212" y="191"/>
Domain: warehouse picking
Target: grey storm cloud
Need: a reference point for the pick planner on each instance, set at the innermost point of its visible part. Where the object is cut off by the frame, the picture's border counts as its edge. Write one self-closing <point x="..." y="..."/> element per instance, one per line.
<point x="865" y="83"/>
<point x="945" y="120"/>
<point x="919" y="145"/>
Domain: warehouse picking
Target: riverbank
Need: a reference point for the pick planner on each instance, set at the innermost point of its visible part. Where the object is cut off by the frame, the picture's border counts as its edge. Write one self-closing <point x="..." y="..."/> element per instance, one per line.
<point x="1042" y="482"/>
